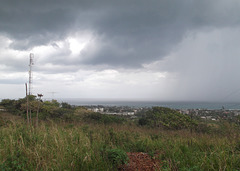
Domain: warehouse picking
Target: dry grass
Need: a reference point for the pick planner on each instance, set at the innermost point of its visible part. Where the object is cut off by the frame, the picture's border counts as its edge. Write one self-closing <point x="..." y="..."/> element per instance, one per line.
<point x="67" y="146"/>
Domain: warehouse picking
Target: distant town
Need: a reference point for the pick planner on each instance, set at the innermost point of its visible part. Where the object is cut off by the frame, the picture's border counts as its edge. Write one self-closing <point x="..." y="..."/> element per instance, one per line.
<point x="134" y="112"/>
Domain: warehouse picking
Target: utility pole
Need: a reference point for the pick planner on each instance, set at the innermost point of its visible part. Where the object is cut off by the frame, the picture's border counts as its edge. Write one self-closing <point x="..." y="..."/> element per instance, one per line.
<point x="27" y="104"/>
<point x="39" y="100"/>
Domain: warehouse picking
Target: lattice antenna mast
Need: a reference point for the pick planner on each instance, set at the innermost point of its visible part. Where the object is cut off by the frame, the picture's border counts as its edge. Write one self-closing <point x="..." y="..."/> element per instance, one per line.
<point x="30" y="73"/>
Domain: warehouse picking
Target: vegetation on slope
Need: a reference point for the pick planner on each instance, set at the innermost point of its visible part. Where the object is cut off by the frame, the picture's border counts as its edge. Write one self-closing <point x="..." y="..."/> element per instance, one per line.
<point x="167" y="118"/>
<point x="85" y="142"/>
<point x="57" y="111"/>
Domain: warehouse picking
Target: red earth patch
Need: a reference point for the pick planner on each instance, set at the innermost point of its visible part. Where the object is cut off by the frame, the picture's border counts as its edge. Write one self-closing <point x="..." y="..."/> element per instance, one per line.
<point x="140" y="162"/>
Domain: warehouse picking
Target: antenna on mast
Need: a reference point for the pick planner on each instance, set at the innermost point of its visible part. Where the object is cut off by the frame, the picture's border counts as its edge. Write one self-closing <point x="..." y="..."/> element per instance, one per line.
<point x="30" y="73"/>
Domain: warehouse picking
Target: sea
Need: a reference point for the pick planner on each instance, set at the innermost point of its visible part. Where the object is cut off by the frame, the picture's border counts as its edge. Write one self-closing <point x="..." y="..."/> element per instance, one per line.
<point x="151" y="103"/>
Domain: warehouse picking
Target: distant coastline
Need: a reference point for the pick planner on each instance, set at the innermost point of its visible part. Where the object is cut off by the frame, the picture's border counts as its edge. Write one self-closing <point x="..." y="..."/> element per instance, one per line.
<point x="149" y="103"/>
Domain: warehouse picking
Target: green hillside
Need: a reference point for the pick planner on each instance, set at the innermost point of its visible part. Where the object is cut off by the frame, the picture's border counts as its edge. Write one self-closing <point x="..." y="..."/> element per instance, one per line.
<point x="73" y="138"/>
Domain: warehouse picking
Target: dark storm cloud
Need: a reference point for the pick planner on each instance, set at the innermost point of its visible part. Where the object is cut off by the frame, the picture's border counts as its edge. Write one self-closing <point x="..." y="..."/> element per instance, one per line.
<point x="33" y="25"/>
<point x="143" y="32"/>
<point x="128" y="33"/>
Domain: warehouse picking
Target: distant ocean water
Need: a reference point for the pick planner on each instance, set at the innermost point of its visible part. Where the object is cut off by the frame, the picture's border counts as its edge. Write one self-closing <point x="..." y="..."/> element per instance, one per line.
<point x="136" y="103"/>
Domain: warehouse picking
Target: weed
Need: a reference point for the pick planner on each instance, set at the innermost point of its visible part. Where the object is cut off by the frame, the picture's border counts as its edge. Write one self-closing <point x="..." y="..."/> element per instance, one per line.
<point x="117" y="156"/>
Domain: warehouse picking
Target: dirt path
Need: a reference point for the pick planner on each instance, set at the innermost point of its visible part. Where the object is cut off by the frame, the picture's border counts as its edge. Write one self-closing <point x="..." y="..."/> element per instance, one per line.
<point x="141" y="162"/>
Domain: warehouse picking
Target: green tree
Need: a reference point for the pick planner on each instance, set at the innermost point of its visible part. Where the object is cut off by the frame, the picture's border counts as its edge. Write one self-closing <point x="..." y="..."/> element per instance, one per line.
<point x="66" y="105"/>
<point x="166" y="118"/>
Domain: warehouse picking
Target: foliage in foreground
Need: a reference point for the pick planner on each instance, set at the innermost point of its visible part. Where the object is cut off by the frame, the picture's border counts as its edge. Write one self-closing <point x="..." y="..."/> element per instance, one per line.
<point x="76" y="139"/>
<point x="67" y="146"/>
<point x="117" y="156"/>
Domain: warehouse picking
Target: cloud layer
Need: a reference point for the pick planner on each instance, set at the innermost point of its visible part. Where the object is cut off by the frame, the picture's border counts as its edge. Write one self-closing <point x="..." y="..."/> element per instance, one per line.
<point x="174" y="50"/>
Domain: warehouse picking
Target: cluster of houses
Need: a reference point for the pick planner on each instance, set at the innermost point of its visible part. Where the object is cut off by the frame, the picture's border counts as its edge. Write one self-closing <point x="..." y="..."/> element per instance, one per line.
<point x="214" y="114"/>
<point x="126" y="111"/>
<point x="205" y="114"/>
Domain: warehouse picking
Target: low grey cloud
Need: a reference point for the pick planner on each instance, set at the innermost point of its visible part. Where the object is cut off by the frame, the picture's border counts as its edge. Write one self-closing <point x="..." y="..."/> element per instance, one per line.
<point x="12" y="81"/>
<point x="129" y="33"/>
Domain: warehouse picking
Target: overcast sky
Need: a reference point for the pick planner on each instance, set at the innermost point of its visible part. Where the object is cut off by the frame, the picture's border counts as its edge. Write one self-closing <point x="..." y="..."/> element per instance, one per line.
<point x="167" y="50"/>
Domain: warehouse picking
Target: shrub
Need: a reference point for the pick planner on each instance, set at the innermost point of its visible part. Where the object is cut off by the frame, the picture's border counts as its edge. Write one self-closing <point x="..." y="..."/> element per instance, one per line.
<point x="166" y="118"/>
<point x="2" y="121"/>
<point x="66" y="105"/>
<point x="105" y="119"/>
<point x="117" y="156"/>
<point x="16" y="162"/>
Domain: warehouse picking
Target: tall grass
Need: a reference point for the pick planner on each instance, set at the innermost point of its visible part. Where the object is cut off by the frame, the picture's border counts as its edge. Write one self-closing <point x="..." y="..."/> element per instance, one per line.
<point x="48" y="147"/>
<point x="66" y="146"/>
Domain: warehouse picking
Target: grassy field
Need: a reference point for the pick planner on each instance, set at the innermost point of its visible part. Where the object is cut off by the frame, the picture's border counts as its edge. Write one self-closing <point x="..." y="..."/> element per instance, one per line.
<point x="59" y="145"/>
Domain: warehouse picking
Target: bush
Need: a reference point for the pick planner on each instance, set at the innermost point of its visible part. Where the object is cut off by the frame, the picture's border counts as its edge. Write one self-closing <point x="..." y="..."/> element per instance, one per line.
<point x="166" y="118"/>
<point x="11" y="106"/>
<point x="66" y="105"/>
<point x="105" y="119"/>
<point x="143" y="121"/>
<point x="16" y="162"/>
<point x="117" y="156"/>
<point x="2" y="121"/>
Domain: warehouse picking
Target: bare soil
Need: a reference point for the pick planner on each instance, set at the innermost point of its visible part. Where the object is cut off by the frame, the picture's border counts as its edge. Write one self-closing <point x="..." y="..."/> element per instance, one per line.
<point x="140" y="161"/>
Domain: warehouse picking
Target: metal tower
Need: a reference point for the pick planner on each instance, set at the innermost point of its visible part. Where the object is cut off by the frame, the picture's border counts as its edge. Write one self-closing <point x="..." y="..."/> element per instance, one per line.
<point x="30" y="73"/>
